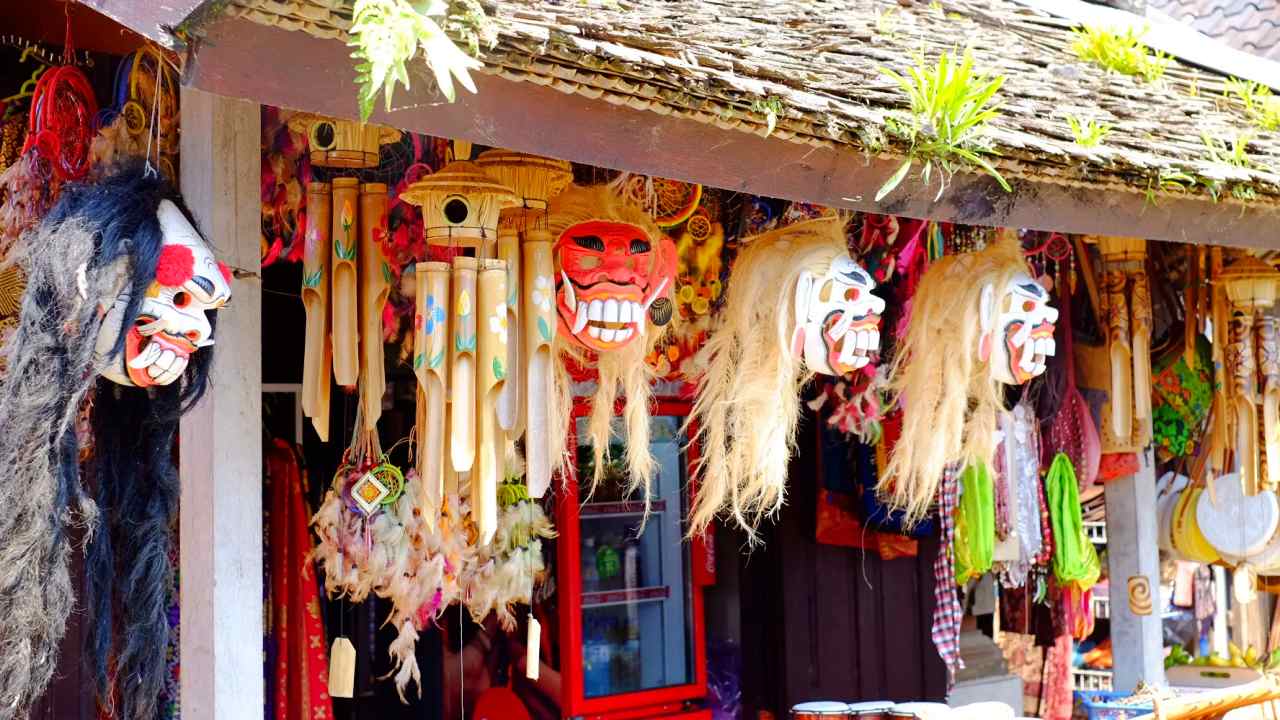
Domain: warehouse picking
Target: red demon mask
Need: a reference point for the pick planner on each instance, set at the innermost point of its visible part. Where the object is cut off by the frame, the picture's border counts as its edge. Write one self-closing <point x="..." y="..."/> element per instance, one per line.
<point x="610" y="274"/>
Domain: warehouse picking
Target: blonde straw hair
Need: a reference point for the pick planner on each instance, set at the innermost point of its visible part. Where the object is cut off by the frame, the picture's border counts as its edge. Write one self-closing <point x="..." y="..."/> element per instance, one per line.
<point x="747" y="405"/>
<point x="949" y="398"/>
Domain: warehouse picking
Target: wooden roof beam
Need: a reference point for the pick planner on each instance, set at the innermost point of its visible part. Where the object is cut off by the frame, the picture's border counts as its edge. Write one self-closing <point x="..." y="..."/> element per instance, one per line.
<point x="294" y="70"/>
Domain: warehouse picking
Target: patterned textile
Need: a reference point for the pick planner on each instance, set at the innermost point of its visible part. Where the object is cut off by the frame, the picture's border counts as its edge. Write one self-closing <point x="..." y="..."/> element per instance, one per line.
<point x="1055" y="698"/>
<point x="301" y="687"/>
<point x="1026" y="660"/>
<point x="947" y="612"/>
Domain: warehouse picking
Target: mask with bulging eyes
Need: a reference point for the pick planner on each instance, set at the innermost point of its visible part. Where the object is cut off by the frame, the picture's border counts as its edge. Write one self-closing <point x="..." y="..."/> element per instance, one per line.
<point x="172" y="323"/>
<point x="611" y="273"/>
<point x="837" y="318"/>
<point x="1017" y="330"/>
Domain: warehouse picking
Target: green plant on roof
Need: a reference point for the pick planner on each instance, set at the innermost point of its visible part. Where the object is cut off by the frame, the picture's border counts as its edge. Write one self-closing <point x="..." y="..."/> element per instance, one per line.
<point x="886" y="22"/>
<point x="951" y="105"/>
<point x="387" y="34"/>
<point x="1120" y="52"/>
<point x="1088" y="133"/>
<point x="772" y="108"/>
<point x="1260" y="106"/>
<point x="1234" y="154"/>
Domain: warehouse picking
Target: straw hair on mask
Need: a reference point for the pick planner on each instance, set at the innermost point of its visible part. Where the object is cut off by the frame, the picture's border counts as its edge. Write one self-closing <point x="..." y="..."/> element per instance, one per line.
<point x="747" y="402"/>
<point x="949" y="398"/>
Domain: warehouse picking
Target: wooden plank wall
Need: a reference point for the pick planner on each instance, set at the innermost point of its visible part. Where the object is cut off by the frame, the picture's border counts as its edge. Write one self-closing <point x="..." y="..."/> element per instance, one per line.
<point x="821" y="622"/>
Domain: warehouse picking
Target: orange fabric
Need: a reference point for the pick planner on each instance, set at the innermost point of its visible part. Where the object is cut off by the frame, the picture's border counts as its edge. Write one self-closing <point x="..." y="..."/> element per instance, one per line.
<point x="1115" y="465"/>
<point x="302" y="673"/>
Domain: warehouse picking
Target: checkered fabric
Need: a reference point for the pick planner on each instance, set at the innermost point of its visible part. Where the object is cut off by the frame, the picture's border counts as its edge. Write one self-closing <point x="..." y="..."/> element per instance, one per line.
<point x="947" y="612"/>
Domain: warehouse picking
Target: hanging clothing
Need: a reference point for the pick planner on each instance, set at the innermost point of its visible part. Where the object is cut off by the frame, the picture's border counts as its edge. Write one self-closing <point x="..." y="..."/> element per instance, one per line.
<point x="947" y="613"/>
<point x="296" y="631"/>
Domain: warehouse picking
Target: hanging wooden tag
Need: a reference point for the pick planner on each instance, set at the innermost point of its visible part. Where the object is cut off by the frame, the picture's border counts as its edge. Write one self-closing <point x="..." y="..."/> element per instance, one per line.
<point x="342" y="668"/>
<point x="531" y="645"/>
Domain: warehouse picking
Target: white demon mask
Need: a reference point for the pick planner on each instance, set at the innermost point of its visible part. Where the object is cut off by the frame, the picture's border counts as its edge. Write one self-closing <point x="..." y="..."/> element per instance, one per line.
<point x="837" y="319"/>
<point x="1017" y="330"/>
<point x="171" y="322"/>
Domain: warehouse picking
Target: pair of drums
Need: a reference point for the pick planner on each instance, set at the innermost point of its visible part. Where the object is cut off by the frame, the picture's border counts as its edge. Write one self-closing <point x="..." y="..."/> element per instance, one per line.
<point x="826" y="710"/>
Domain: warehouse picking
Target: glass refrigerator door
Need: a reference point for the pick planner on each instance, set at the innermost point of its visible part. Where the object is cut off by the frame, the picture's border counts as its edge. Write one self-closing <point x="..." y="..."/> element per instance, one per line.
<point x="636" y="594"/>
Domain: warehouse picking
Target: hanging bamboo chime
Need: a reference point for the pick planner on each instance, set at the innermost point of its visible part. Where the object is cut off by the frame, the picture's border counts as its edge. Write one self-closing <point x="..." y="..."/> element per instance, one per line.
<point x="461" y="340"/>
<point x="1126" y="300"/>
<point x="525" y="244"/>
<point x="1249" y="287"/>
<point x="345" y="279"/>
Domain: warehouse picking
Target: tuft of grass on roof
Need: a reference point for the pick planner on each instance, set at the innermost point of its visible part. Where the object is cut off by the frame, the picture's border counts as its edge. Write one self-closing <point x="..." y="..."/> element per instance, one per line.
<point x="772" y="108"/>
<point x="951" y="105"/>
<point x="1234" y="154"/>
<point x="1260" y="106"/>
<point x="1089" y="133"/>
<point x="1119" y="52"/>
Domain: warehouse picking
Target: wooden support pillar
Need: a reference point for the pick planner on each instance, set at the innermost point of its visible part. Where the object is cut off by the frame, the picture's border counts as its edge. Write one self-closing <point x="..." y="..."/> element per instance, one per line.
<point x="221" y="446"/>
<point x="1136" y="640"/>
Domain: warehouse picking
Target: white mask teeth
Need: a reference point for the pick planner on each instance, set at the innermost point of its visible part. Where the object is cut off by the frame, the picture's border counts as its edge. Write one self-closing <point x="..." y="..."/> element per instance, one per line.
<point x="1027" y="363"/>
<point x="581" y="321"/>
<point x="570" y="299"/>
<point x="595" y="311"/>
<point x="594" y="332"/>
<point x="147" y="356"/>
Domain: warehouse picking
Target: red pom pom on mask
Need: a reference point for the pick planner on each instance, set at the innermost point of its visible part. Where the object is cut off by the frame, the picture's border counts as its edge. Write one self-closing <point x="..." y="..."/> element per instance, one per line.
<point x="226" y="270"/>
<point x="177" y="266"/>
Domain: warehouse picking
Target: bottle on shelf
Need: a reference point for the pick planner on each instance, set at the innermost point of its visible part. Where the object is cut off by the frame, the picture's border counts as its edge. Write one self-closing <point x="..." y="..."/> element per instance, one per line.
<point x="590" y="578"/>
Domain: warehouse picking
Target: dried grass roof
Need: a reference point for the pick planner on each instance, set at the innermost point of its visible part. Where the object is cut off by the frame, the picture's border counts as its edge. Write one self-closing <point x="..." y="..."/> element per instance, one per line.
<point x="818" y="62"/>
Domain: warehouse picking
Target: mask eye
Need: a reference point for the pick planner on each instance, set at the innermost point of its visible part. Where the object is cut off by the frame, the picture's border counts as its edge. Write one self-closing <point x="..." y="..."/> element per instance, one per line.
<point x="181" y="299"/>
<point x="589" y="242"/>
<point x="1028" y="306"/>
<point x="852" y="294"/>
<point x="640" y="246"/>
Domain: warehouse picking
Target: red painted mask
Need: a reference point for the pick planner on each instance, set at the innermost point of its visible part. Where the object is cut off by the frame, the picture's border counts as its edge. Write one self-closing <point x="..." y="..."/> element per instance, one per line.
<point x="610" y="274"/>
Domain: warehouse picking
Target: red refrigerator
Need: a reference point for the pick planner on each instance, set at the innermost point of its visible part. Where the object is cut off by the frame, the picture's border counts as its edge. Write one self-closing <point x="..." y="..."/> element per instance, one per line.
<point x="632" y="641"/>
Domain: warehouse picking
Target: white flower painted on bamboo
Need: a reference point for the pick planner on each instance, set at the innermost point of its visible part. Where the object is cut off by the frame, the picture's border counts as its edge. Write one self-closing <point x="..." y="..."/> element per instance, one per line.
<point x="498" y="322"/>
<point x="542" y="293"/>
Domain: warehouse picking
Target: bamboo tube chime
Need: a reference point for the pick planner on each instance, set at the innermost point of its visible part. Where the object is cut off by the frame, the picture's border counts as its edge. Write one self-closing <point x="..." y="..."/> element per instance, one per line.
<point x="1126" y="300"/>
<point x="344" y="293"/>
<point x="461" y="360"/>
<point x="375" y="285"/>
<point x="1250" y="287"/>
<point x="525" y="244"/>
<point x="317" y="352"/>
<point x="345" y="279"/>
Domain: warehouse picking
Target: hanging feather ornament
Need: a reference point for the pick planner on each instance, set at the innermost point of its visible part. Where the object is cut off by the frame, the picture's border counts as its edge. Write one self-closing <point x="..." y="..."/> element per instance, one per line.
<point x="505" y="571"/>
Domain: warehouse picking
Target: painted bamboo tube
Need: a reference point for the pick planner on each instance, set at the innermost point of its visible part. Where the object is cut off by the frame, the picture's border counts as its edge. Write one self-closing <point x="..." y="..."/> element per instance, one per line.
<point x="509" y="417"/>
<point x="462" y="365"/>
<point x="375" y="284"/>
<point x="431" y="345"/>
<point x="345" y="302"/>
<point x="316" y="263"/>
<point x="491" y="375"/>
<point x="539" y="329"/>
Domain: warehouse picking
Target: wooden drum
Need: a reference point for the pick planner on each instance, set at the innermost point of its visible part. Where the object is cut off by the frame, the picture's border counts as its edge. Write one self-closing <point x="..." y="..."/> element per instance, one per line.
<point x="821" y="710"/>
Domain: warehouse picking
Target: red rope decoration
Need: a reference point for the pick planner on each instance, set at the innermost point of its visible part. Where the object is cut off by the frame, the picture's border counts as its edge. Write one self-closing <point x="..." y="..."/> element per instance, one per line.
<point x="60" y="126"/>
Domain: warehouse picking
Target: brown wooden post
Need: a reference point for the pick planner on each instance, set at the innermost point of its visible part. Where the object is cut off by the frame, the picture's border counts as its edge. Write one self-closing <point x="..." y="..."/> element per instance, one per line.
<point x="221" y="446"/>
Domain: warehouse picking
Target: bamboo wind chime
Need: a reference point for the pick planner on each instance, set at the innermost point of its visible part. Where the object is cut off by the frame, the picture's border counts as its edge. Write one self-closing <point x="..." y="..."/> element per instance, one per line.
<point x="1249" y="288"/>
<point x="461" y="343"/>
<point x="1126" y="302"/>
<point x="524" y="242"/>
<point x="345" y="278"/>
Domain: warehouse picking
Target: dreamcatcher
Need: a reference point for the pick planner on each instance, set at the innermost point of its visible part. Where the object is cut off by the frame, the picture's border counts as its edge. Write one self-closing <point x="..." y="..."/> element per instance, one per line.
<point x="143" y="118"/>
<point x="58" y="136"/>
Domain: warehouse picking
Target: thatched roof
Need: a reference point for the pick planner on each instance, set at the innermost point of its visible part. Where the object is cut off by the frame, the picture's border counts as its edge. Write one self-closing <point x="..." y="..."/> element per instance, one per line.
<point x="726" y="62"/>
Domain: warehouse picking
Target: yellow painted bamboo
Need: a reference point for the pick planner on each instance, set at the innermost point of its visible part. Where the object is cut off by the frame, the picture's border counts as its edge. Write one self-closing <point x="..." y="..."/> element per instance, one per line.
<point x="316" y="264"/>
<point x="491" y="376"/>
<point x="344" y="297"/>
<point x="375" y="284"/>
<point x="462" y="365"/>
<point x="539" y="329"/>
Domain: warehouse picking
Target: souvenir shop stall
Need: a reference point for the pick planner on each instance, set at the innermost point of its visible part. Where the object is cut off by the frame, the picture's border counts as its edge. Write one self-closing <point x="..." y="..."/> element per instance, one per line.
<point x="592" y="394"/>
